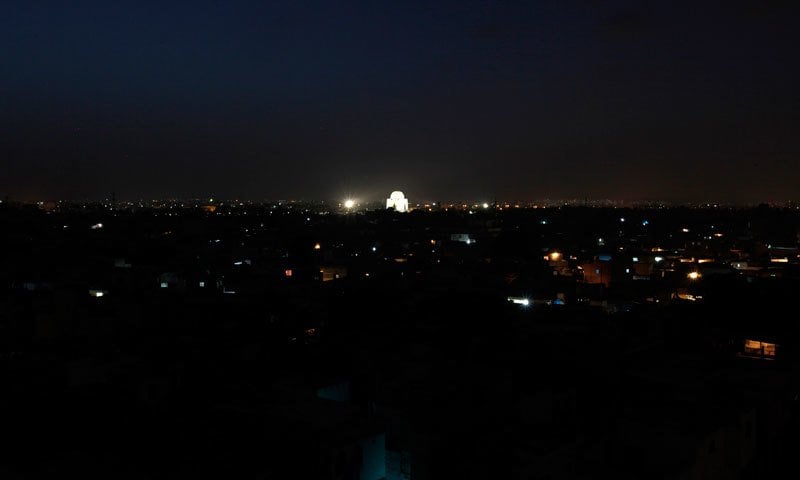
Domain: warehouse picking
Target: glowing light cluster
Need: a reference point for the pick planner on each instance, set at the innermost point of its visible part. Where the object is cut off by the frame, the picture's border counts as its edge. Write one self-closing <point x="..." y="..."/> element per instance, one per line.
<point x="519" y="301"/>
<point x="397" y="201"/>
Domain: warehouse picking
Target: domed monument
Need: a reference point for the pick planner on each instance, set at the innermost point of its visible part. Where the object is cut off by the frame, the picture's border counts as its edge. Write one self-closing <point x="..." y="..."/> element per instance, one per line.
<point x="397" y="201"/>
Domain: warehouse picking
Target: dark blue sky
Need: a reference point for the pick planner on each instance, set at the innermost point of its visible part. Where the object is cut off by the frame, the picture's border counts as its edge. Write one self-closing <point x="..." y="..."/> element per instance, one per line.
<point x="444" y="100"/>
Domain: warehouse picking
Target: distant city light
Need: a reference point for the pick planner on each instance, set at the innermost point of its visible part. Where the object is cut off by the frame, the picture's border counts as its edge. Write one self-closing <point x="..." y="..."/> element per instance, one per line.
<point x="694" y="275"/>
<point x="645" y="223"/>
<point x="519" y="301"/>
<point x="685" y="230"/>
<point x="288" y="272"/>
<point x="374" y="249"/>
<point x="622" y="220"/>
<point x="317" y="246"/>
<point x="202" y="284"/>
<point x="97" y="226"/>
<point x="659" y="259"/>
<point x="554" y="256"/>
<point x="348" y="204"/>
<point x="164" y="284"/>
<point x="485" y="205"/>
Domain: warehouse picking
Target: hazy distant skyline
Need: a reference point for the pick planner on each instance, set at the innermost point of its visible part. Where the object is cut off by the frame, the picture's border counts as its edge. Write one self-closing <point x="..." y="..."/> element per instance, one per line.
<point x="444" y="100"/>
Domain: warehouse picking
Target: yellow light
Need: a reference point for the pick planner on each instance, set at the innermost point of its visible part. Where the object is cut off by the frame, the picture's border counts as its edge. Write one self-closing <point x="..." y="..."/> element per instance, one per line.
<point x="317" y="246"/>
<point x="349" y="203"/>
<point x="694" y="275"/>
<point x="555" y="256"/>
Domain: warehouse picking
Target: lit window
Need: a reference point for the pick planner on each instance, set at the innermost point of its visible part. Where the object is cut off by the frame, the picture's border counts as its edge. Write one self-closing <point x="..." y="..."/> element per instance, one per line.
<point x="759" y="348"/>
<point x="164" y="285"/>
<point x="288" y="272"/>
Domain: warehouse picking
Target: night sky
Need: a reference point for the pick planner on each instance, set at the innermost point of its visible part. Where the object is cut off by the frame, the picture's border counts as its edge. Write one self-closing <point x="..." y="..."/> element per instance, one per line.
<point x="443" y="100"/>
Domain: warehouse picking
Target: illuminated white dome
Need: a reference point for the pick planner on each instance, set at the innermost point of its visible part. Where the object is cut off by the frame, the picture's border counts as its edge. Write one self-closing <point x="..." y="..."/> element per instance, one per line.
<point x="397" y="201"/>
